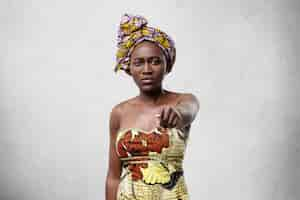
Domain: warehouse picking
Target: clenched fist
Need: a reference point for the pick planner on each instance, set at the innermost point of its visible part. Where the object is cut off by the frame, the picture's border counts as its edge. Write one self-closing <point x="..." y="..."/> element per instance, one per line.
<point x="170" y="117"/>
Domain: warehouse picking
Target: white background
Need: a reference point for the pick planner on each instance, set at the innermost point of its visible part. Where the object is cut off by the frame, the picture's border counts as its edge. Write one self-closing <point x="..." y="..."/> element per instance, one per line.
<point x="57" y="88"/>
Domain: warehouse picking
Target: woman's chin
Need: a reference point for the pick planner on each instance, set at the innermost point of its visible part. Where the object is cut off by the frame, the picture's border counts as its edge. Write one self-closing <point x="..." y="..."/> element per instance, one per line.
<point x="147" y="88"/>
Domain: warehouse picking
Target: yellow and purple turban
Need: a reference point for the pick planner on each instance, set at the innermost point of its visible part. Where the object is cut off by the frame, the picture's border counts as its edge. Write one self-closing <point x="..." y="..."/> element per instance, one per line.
<point x="133" y="29"/>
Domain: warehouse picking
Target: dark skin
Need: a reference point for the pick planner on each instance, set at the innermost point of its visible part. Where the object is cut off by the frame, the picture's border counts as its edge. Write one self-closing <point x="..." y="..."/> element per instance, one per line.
<point x="153" y="107"/>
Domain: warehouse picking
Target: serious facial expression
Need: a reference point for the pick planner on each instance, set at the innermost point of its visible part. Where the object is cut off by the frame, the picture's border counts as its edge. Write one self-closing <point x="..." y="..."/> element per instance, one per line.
<point x="147" y="66"/>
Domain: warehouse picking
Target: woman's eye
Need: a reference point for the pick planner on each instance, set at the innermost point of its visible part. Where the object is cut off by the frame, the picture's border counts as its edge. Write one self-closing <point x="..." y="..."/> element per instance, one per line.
<point x="137" y="63"/>
<point x="156" y="62"/>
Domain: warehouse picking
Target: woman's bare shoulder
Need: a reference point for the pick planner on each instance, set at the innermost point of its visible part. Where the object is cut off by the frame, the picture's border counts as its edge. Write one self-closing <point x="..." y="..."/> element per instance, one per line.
<point x="184" y="96"/>
<point x="125" y="104"/>
<point x="179" y="95"/>
<point x="117" y="113"/>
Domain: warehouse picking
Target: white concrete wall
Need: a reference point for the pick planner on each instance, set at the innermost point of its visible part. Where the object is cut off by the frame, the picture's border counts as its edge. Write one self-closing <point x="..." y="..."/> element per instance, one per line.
<point x="57" y="88"/>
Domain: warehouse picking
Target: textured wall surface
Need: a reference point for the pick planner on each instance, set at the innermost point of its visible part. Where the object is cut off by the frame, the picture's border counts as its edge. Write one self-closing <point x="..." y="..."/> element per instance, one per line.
<point x="57" y="87"/>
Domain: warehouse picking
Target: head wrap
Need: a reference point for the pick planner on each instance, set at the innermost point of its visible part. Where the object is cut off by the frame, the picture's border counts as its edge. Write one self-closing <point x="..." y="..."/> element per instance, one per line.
<point x="133" y="29"/>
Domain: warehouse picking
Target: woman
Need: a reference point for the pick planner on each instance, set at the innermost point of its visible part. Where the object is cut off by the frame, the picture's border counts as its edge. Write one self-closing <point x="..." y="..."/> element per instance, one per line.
<point x="149" y="132"/>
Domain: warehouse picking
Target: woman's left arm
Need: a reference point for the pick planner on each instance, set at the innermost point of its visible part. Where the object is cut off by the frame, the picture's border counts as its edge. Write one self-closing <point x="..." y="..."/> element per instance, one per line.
<point x="187" y="107"/>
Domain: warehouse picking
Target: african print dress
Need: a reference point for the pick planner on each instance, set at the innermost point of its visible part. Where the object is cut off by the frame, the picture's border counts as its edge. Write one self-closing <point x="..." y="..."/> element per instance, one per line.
<point x="151" y="164"/>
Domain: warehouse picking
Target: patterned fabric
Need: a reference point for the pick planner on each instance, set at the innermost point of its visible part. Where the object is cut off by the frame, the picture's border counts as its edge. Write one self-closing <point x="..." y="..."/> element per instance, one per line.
<point x="151" y="164"/>
<point x="133" y="29"/>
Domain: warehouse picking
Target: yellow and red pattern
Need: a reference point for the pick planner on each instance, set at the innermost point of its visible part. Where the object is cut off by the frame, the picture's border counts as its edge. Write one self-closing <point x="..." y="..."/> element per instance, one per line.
<point x="151" y="161"/>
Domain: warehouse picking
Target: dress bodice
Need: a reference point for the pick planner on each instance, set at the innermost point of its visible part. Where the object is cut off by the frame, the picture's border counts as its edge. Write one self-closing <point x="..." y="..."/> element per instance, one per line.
<point x="151" y="157"/>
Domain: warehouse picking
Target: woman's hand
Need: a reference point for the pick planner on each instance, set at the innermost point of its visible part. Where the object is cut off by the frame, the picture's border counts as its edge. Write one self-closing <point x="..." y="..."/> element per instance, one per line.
<point x="170" y="117"/>
<point x="182" y="114"/>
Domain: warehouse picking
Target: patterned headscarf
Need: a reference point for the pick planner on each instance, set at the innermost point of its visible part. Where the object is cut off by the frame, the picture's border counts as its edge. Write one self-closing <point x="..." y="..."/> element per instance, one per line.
<point x="133" y="29"/>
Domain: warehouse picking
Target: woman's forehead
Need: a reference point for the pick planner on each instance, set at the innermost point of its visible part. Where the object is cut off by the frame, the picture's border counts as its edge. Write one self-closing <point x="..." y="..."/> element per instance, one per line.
<point x="147" y="49"/>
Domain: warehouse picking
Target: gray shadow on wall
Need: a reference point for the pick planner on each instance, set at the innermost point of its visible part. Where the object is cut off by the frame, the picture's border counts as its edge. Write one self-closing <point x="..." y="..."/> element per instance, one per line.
<point x="290" y="182"/>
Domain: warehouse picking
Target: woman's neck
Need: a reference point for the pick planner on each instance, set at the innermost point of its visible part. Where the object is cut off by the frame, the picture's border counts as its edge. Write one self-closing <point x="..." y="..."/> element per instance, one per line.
<point x="152" y="97"/>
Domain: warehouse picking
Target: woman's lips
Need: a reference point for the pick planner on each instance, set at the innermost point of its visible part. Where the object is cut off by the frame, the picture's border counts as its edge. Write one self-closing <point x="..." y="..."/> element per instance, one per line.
<point x="147" y="81"/>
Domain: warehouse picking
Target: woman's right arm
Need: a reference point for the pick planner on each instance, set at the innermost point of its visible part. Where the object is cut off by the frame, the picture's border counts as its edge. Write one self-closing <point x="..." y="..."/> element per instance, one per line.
<point x="114" y="164"/>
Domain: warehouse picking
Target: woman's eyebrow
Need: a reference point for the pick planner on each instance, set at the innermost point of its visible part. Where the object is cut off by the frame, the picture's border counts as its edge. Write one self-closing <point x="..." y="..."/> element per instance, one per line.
<point x="154" y="57"/>
<point x="150" y="57"/>
<point x="138" y="58"/>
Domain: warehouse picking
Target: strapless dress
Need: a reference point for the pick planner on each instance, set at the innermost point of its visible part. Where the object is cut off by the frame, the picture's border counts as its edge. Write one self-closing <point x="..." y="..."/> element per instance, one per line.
<point x="151" y="164"/>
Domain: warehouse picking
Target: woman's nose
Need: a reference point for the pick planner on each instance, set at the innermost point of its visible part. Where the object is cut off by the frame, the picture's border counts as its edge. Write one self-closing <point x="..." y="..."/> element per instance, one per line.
<point x="147" y="67"/>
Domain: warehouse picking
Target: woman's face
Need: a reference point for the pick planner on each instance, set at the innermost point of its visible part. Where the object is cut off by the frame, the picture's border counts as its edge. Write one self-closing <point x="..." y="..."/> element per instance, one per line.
<point x="147" y="66"/>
